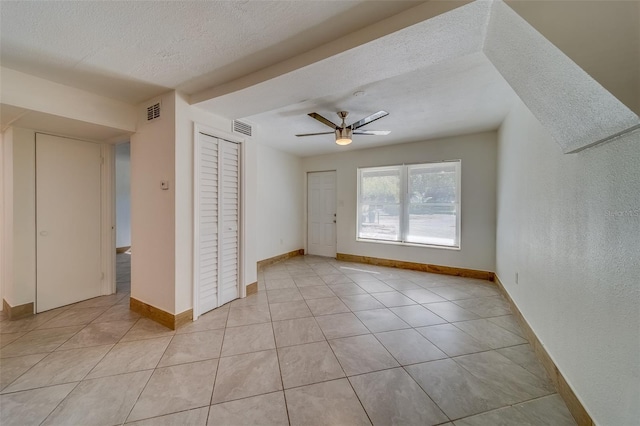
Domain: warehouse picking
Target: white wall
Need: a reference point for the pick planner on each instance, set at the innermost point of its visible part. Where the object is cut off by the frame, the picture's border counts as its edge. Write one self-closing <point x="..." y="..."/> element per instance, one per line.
<point x="280" y="213"/>
<point x="153" y="210"/>
<point x="37" y="94"/>
<point x="6" y="213"/>
<point x="24" y="216"/>
<point x="19" y="250"/>
<point x="569" y="225"/>
<point x="186" y="117"/>
<point x="478" y="155"/>
<point x="2" y="227"/>
<point x="123" y="195"/>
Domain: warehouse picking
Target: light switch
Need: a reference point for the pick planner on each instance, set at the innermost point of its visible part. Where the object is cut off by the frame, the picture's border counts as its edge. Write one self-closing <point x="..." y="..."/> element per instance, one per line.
<point x="164" y="184"/>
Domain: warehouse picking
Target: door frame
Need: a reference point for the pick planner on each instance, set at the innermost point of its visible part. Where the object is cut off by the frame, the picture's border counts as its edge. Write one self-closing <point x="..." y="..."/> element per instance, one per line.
<point x="306" y="206"/>
<point x="107" y="213"/>
<point x="219" y="134"/>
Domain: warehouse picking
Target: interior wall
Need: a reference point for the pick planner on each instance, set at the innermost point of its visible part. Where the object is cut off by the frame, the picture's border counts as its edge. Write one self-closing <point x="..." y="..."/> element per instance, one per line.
<point x="2" y="236"/>
<point x="20" y="216"/>
<point x="37" y="94"/>
<point x="153" y="209"/>
<point x="478" y="222"/>
<point x="123" y="195"/>
<point x="568" y="225"/>
<point x="602" y="37"/>
<point x="186" y="118"/>
<point x="280" y="218"/>
<point x="6" y="215"/>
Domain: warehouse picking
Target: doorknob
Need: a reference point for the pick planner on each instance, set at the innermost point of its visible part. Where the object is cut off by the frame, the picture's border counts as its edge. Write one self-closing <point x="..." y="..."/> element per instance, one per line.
<point x="44" y="233"/>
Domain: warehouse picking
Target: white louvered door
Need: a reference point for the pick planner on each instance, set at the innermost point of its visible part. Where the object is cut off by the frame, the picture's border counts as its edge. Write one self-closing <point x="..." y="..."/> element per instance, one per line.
<point x="217" y="186"/>
<point x="229" y="219"/>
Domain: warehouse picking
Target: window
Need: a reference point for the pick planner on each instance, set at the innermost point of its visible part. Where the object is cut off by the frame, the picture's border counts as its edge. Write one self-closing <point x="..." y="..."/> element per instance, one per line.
<point x="416" y="204"/>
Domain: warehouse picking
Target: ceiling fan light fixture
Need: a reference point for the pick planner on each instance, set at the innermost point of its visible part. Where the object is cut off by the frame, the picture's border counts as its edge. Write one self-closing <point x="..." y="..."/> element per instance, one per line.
<point x="344" y="136"/>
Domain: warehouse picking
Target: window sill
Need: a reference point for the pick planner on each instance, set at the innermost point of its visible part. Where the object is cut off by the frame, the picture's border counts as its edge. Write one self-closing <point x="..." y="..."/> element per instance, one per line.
<point x="398" y="243"/>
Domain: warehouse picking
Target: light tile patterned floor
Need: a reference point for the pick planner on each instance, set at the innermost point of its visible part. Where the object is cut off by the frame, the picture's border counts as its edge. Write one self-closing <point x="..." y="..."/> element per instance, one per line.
<point x="323" y="342"/>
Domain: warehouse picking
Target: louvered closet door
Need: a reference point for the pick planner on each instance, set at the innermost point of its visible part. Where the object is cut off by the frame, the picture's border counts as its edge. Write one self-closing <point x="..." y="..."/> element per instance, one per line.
<point x="229" y="219"/>
<point x="217" y="254"/>
<point x="207" y="274"/>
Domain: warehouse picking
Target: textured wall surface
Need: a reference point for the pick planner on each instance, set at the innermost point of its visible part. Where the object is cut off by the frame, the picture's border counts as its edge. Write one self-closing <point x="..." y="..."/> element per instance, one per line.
<point x="478" y="155"/>
<point x="576" y="110"/>
<point x="569" y="226"/>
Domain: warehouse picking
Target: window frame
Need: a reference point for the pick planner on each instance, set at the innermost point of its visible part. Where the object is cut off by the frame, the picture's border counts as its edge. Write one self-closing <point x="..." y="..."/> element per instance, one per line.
<point x="404" y="201"/>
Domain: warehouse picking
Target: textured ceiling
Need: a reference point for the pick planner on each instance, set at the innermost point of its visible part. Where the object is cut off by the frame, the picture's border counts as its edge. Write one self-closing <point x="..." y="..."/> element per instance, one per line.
<point x="272" y="62"/>
<point x="458" y="96"/>
<point x="135" y="50"/>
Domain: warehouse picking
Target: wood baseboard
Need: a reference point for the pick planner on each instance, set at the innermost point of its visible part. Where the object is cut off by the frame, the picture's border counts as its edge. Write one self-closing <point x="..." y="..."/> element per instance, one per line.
<point x="17" y="312"/>
<point x="424" y="267"/>
<point x="252" y="288"/>
<point x="279" y="258"/>
<point x="120" y="250"/>
<point x="574" y="405"/>
<point x="158" y="315"/>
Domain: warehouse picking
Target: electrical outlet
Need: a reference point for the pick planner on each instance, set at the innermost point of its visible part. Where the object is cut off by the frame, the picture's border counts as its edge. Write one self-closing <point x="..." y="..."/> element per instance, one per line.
<point x="516" y="278"/>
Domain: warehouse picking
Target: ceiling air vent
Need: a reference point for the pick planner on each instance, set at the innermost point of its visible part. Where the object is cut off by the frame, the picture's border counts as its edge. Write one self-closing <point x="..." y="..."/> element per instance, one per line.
<point x="242" y="128"/>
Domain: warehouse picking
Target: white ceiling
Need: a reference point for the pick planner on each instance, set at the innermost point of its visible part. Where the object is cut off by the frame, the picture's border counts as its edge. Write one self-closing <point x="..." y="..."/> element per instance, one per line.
<point x="134" y="50"/>
<point x="462" y="95"/>
<point x="272" y="62"/>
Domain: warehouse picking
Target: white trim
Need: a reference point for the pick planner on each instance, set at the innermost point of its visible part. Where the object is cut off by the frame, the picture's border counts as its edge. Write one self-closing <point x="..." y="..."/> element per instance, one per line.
<point x="220" y="134"/>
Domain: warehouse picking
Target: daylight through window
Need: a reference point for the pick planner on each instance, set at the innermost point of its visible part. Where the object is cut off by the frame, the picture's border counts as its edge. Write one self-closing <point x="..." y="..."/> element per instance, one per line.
<point x="417" y="204"/>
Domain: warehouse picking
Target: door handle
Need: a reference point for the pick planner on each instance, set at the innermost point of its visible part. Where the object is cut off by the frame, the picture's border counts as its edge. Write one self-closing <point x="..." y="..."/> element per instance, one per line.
<point x="44" y="233"/>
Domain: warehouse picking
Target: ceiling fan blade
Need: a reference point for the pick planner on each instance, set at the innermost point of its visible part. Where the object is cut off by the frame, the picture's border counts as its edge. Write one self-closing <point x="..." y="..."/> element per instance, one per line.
<point x="372" y="132"/>
<point x="373" y="117"/>
<point x="314" y="134"/>
<point x="323" y="120"/>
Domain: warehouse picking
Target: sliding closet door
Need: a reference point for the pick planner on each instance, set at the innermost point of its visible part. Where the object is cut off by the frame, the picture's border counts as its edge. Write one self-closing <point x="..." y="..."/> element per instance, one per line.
<point x="217" y="211"/>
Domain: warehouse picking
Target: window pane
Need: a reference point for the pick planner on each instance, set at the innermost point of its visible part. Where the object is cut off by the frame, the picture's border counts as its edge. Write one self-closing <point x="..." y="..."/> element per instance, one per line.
<point x="380" y="221"/>
<point x="433" y="204"/>
<point x="379" y="186"/>
<point x="379" y="204"/>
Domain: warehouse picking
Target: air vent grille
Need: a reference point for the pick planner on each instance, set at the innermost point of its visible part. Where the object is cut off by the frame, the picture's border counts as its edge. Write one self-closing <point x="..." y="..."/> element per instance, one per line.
<point x="242" y="128"/>
<point x="153" y="111"/>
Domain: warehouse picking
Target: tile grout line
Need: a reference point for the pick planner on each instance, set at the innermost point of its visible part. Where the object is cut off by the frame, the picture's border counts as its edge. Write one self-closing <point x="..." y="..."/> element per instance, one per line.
<point x="275" y="343"/>
<point x="339" y="363"/>
<point x="215" y="376"/>
<point x="148" y="380"/>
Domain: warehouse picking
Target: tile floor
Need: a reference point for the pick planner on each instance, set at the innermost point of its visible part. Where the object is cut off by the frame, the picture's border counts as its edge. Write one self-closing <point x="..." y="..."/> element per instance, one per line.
<point x="322" y="343"/>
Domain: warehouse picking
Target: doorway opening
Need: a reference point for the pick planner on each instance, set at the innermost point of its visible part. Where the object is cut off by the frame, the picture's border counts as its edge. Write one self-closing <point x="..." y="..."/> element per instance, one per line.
<point x="123" y="217"/>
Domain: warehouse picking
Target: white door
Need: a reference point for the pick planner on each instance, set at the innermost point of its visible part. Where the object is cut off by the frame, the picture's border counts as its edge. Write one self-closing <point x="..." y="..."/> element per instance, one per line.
<point x="217" y="194"/>
<point x="68" y="221"/>
<point x="229" y="219"/>
<point x="321" y="213"/>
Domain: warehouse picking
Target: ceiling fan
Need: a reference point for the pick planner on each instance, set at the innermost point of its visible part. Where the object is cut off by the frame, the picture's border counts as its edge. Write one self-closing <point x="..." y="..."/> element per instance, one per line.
<point x="344" y="133"/>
